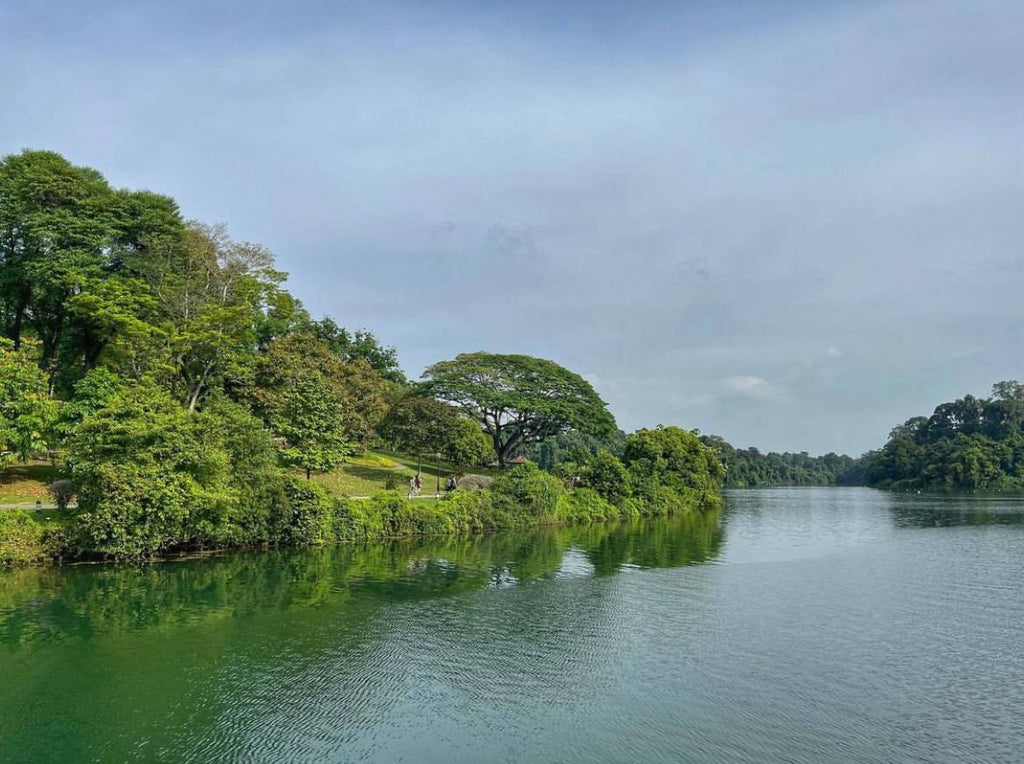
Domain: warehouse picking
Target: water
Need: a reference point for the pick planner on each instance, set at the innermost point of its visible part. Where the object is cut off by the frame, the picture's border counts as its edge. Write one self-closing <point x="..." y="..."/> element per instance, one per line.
<point x="805" y="625"/>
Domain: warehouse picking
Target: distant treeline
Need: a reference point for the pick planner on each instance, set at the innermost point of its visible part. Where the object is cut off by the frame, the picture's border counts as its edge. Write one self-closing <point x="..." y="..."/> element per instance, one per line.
<point x="750" y="468"/>
<point x="971" y="443"/>
<point x="744" y="467"/>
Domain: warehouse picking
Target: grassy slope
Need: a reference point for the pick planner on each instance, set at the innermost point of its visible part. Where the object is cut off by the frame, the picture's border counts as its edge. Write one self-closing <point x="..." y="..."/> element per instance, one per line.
<point x="25" y="484"/>
<point x="367" y="474"/>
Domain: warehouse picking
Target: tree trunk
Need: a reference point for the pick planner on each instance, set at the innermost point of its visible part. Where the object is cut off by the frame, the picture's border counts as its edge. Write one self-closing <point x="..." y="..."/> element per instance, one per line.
<point x="308" y="471"/>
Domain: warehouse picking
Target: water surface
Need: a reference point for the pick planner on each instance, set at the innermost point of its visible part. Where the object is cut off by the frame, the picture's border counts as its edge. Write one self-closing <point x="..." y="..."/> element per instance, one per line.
<point x="804" y="625"/>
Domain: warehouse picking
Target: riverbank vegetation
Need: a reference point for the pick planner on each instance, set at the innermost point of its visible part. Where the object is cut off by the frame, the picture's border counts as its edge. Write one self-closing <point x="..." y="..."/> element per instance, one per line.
<point x="967" y="444"/>
<point x="185" y="400"/>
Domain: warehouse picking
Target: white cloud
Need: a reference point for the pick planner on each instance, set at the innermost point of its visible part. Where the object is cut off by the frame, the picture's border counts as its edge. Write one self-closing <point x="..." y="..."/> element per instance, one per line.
<point x="753" y="387"/>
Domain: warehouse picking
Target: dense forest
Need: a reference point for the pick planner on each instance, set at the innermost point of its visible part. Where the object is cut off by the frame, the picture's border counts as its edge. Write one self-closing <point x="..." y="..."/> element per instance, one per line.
<point x="971" y="443"/>
<point x="186" y="397"/>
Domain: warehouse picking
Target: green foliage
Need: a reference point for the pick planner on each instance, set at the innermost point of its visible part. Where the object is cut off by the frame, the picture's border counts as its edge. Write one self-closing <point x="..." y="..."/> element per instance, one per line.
<point x="749" y="468"/>
<point x="968" y="444"/>
<point x="67" y="240"/>
<point x="518" y="399"/>
<point x="151" y="478"/>
<point x="585" y="505"/>
<point x="260" y="512"/>
<point x="528" y="487"/>
<point x="574" y="446"/>
<point x="312" y="422"/>
<point x="361" y="346"/>
<point x="670" y="470"/>
<point x="419" y="425"/>
<point x="298" y="372"/>
<point x="91" y="393"/>
<point x="23" y="540"/>
<point x="27" y="413"/>
<point x="607" y="475"/>
<point x="467" y="445"/>
<point x="311" y="513"/>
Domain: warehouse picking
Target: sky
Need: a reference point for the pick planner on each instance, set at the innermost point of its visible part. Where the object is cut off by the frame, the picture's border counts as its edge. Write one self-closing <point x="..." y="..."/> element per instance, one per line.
<point x="792" y="224"/>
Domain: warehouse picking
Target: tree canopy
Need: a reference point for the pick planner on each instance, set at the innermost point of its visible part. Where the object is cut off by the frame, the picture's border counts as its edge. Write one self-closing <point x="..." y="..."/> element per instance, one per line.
<point x="518" y="399"/>
<point x="971" y="443"/>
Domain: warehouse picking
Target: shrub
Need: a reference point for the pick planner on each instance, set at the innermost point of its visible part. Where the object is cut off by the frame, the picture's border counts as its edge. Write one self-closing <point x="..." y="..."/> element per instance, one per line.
<point x="672" y="458"/>
<point x="585" y="505"/>
<point x="606" y="474"/>
<point x="311" y="513"/>
<point x="528" y="489"/>
<point x="23" y="540"/>
<point x="151" y="478"/>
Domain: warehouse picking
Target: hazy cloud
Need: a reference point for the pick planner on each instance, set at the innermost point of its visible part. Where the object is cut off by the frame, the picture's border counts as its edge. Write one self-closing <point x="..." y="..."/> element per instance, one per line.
<point x="751" y="387"/>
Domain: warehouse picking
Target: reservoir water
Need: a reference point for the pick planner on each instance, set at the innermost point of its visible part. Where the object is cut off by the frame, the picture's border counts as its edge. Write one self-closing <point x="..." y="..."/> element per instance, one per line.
<point x="798" y="625"/>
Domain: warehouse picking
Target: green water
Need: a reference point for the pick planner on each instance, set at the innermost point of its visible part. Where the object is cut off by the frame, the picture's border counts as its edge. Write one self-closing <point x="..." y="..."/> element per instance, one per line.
<point x="805" y="625"/>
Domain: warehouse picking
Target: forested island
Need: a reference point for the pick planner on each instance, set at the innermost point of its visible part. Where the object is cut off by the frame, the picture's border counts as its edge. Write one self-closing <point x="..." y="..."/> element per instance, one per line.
<point x="184" y="400"/>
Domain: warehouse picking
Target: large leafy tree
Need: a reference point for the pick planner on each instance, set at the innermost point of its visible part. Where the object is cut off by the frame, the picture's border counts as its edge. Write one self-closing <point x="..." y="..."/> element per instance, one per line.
<point x="66" y="239"/>
<point x="359" y="345"/>
<point x="518" y="399"/>
<point x="419" y="425"/>
<point x="215" y="291"/>
<point x="360" y="391"/>
<point x="311" y="399"/>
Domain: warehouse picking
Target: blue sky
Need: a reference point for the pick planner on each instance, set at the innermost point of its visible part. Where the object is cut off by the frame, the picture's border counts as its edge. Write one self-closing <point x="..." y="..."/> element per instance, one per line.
<point x="793" y="224"/>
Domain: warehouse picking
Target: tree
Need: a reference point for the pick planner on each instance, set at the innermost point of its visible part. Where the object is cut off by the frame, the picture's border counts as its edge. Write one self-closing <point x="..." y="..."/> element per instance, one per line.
<point x="311" y="419"/>
<point x="362" y="345"/>
<point x="66" y="235"/>
<point x="674" y="460"/>
<point x="357" y="389"/>
<point x="27" y="412"/>
<point x="518" y="399"/>
<point x="606" y="474"/>
<point x="419" y="425"/>
<point x="215" y="291"/>
<point x="466" y="444"/>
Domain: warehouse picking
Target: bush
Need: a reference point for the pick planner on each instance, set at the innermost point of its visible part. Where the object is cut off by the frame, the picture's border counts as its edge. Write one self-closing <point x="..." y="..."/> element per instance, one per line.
<point x="674" y="459"/>
<point x="584" y="505"/>
<point x="528" y="489"/>
<point x="23" y="540"/>
<point x="151" y="478"/>
<point x="310" y="513"/>
<point x="606" y="474"/>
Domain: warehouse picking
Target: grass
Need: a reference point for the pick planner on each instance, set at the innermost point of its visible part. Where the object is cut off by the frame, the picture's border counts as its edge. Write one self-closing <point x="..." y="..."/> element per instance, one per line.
<point x="365" y="475"/>
<point x="27" y="483"/>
